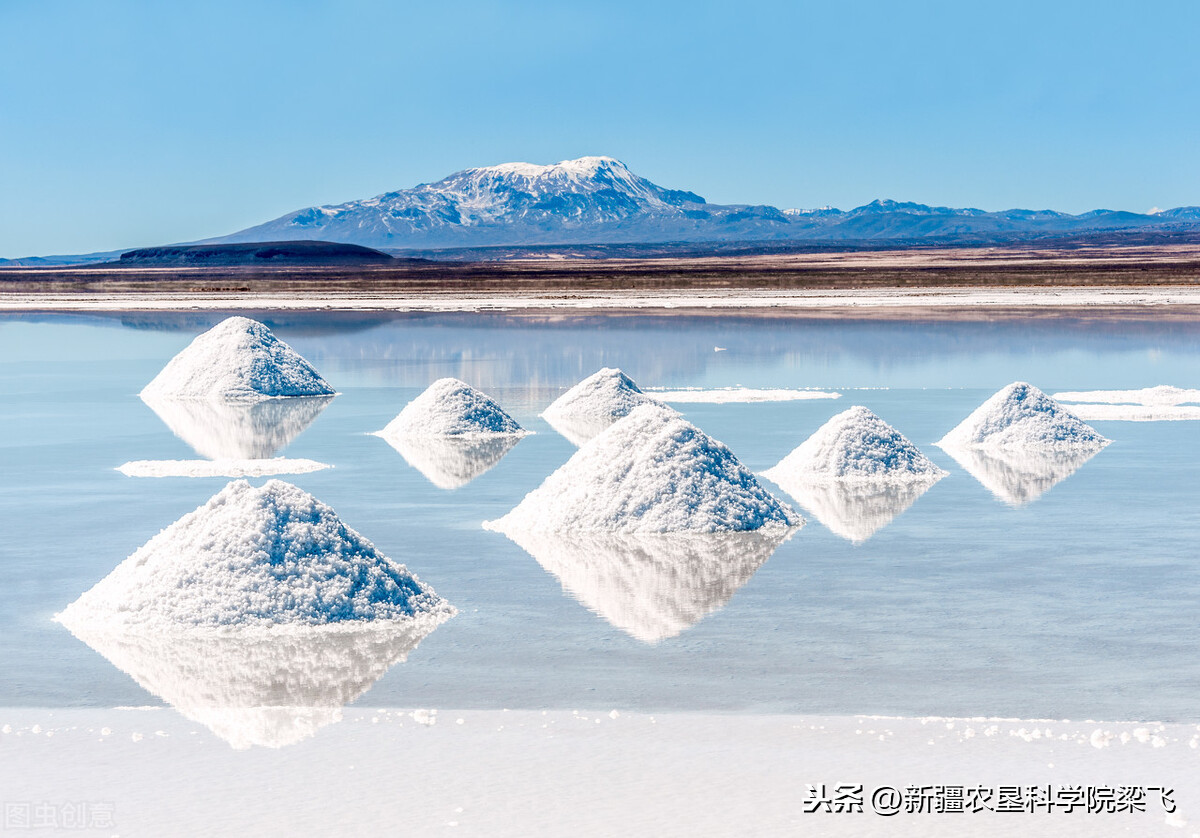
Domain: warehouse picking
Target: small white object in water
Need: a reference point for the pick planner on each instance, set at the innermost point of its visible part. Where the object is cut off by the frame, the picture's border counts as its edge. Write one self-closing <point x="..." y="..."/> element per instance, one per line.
<point x="219" y="468"/>
<point x="239" y="358"/>
<point x="734" y="395"/>
<point x="651" y="472"/>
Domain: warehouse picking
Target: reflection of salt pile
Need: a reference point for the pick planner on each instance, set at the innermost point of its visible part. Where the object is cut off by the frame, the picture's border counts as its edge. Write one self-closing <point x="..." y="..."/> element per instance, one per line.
<point x="254" y="558"/>
<point x="255" y="609"/>
<point x="239" y="358"/>
<point x="855" y="473"/>
<point x="651" y="472"/>
<point x="238" y="430"/>
<point x="267" y="688"/>
<point x="451" y="462"/>
<point x="652" y="586"/>
<point x="593" y="404"/>
<point x="452" y="433"/>
<point x="1020" y="442"/>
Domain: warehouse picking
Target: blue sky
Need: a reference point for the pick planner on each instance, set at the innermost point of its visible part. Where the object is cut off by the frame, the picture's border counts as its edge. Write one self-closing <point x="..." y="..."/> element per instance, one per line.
<point x="125" y="124"/>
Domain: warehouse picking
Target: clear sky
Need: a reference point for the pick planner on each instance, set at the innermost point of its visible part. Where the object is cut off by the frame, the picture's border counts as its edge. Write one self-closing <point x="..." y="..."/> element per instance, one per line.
<point x="126" y="123"/>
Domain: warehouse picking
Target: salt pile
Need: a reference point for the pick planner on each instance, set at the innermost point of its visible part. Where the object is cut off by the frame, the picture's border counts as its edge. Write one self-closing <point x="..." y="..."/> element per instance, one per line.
<point x="652" y="587"/>
<point x="452" y="462"/>
<point x="593" y="404"/>
<point x="238" y="358"/>
<point x="651" y="472"/>
<point x="452" y="408"/>
<point x="855" y="445"/>
<point x="269" y="689"/>
<point x="1022" y="417"/>
<point x="255" y="559"/>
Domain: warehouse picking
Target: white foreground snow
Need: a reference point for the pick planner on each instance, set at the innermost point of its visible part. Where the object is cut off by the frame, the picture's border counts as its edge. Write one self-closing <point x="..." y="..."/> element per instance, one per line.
<point x="452" y="408"/>
<point x="219" y="468"/>
<point x="239" y="358"/>
<point x="253" y="558"/>
<point x="651" y="472"/>
<point x="652" y="586"/>
<point x="737" y="395"/>
<point x="592" y="773"/>
<point x="1022" y="417"/>
<point x="593" y="404"/>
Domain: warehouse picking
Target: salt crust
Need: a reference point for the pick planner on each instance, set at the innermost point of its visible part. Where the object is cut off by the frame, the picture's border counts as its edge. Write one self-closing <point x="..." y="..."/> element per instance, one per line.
<point x="738" y="395"/>
<point x="651" y="472"/>
<point x="452" y="408"/>
<point x="593" y="404"/>
<point x="219" y="468"/>
<point x="249" y="558"/>
<point x="855" y="445"/>
<point x="1022" y="417"/>
<point x="652" y="586"/>
<point x="1162" y="395"/>
<point x="239" y="358"/>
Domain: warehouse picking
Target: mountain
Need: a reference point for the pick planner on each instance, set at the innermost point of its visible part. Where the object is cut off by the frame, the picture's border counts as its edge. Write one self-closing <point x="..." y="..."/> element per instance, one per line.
<point x="596" y="200"/>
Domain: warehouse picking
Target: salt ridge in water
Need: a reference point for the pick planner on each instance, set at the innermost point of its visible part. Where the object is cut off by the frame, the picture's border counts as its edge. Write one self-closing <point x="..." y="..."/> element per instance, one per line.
<point x="595" y="403"/>
<point x="855" y="445"/>
<point x="450" y="407"/>
<point x="1162" y="395"/>
<point x="255" y="558"/>
<point x="239" y="358"/>
<point x="1022" y="417"/>
<point x="651" y="472"/>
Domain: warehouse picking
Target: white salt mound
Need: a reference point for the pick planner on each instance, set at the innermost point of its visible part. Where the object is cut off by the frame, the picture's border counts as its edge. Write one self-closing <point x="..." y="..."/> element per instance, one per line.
<point x="255" y="558"/>
<point x="1022" y="417"/>
<point x="651" y="472"/>
<point x="594" y="403"/>
<point x="855" y="445"/>
<point x="238" y="358"/>
<point x="450" y="407"/>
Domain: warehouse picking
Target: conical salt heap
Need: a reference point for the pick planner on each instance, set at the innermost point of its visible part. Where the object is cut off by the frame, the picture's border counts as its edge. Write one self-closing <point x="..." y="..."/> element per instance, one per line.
<point x="255" y="559"/>
<point x="593" y="404"/>
<point x="1022" y="417"/>
<point x="238" y="358"/>
<point x="651" y="472"/>
<point x="855" y="445"/>
<point x="452" y="408"/>
<point x="855" y="474"/>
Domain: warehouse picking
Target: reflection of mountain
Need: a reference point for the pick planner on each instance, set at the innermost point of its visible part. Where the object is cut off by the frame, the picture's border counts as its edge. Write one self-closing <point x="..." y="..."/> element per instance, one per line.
<point x="1020" y="477"/>
<point x="228" y="430"/>
<point x="451" y="462"/>
<point x="857" y="509"/>
<point x="652" y="586"/>
<point x="269" y="688"/>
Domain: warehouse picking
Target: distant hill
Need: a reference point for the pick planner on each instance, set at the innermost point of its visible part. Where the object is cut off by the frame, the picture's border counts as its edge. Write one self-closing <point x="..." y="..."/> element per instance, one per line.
<point x="289" y="253"/>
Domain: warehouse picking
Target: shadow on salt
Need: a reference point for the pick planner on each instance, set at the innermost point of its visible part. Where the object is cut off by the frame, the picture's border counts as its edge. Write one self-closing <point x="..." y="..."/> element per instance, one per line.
<point x="1018" y="477"/>
<point x="856" y="510"/>
<point x="269" y="689"/>
<point x="652" y="586"/>
<point x="452" y="462"/>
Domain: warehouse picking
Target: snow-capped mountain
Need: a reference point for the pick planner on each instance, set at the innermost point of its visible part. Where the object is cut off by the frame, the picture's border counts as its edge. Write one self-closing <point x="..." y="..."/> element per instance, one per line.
<point x="599" y="200"/>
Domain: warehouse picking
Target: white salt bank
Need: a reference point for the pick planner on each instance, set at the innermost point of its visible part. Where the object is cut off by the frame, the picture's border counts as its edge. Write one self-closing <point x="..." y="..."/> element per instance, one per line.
<point x="1023" y="417"/>
<point x="452" y="408"/>
<point x="651" y="472"/>
<point x="239" y="358"/>
<point x="593" y="404"/>
<point x="255" y="558"/>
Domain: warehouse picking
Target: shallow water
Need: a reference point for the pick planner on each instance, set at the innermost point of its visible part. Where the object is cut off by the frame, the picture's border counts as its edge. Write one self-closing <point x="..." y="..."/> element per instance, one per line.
<point x="1068" y="599"/>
